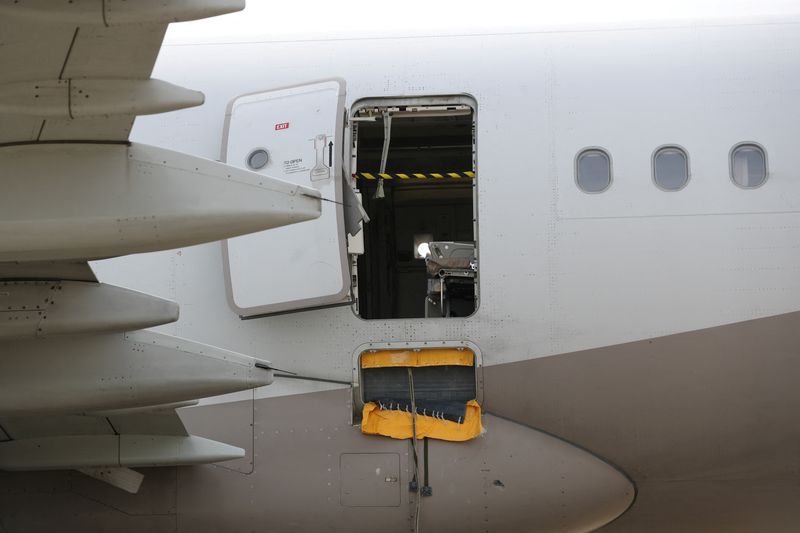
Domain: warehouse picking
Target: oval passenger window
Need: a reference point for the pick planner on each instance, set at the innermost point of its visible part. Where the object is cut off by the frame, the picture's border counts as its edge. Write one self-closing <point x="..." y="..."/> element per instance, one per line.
<point x="593" y="170"/>
<point x="748" y="166"/>
<point x="670" y="168"/>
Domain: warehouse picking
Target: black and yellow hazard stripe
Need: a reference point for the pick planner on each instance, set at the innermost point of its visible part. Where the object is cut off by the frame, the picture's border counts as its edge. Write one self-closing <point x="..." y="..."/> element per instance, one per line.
<point x="415" y="175"/>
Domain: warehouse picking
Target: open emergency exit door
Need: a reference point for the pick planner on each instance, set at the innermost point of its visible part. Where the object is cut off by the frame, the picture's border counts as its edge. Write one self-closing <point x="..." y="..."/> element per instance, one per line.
<point x="294" y="134"/>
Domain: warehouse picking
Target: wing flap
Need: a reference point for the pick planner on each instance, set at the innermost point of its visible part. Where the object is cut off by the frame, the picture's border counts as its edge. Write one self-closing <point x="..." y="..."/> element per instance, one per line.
<point x="122" y="52"/>
<point x="153" y="423"/>
<point x="128" y="51"/>
<point x="37" y="427"/>
<point x="116" y="12"/>
<point x="80" y="71"/>
<point x="47" y="270"/>
<point x="29" y="51"/>
<point x="137" y="439"/>
<point x="46" y="53"/>
<point x="33" y="50"/>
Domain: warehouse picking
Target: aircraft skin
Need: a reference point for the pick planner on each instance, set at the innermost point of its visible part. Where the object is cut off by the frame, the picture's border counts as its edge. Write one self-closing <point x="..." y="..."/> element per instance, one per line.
<point x="639" y="347"/>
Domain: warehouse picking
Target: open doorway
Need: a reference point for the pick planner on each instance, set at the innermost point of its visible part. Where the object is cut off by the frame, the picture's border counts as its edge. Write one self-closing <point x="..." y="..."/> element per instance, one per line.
<point x="414" y="166"/>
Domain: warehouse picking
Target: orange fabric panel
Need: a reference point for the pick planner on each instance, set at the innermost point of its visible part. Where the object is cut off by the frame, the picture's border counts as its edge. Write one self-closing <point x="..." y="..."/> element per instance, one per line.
<point x="398" y="424"/>
<point x="416" y="358"/>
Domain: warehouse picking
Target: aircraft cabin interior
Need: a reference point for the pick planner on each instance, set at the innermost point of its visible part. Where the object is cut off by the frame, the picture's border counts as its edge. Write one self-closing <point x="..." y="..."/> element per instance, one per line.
<point x="414" y="167"/>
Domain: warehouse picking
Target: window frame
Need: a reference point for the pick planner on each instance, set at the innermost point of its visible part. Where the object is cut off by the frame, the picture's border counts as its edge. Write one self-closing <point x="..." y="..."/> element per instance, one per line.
<point x="671" y="146"/>
<point x="607" y="154"/>
<point x="731" y="154"/>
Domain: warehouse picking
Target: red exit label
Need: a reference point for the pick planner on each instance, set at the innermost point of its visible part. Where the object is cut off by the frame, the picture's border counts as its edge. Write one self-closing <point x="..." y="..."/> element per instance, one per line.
<point x="282" y="126"/>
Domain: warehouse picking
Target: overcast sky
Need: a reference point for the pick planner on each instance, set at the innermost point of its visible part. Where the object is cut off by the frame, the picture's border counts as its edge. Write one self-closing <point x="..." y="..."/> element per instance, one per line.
<point x="301" y="19"/>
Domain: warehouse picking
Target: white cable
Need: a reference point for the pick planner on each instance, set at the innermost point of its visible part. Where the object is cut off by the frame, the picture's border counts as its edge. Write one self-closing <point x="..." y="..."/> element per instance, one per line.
<point x="387" y="137"/>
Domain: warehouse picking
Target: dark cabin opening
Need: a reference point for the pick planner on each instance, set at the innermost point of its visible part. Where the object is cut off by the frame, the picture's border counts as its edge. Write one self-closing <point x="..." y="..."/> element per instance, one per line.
<point x="427" y="196"/>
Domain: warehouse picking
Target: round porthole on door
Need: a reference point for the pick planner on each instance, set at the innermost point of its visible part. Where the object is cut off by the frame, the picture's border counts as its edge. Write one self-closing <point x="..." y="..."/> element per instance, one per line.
<point x="257" y="159"/>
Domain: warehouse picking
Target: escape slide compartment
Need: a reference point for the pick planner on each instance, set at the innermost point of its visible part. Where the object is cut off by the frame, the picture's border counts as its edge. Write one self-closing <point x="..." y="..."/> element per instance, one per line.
<point x="432" y="391"/>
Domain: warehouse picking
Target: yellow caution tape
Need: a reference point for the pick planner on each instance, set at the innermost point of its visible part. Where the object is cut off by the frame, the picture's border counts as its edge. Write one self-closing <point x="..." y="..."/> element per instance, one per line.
<point x="399" y="424"/>
<point x="415" y="175"/>
<point x="418" y="358"/>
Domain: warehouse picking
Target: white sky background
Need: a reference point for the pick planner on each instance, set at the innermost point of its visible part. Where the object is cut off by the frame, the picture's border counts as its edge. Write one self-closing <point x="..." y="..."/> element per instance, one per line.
<point x="314" y="19"/>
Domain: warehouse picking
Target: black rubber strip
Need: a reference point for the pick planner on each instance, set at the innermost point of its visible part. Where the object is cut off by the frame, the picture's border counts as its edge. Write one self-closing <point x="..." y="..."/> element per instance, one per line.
<point x="425" y="453"/>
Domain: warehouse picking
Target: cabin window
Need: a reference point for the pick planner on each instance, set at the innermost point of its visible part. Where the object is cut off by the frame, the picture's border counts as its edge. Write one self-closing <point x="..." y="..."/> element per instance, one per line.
<point x="748" y="165"/>
<point x="593" y="170"/>
<point x="413" y="165"/>
<point x="670" y="168"/>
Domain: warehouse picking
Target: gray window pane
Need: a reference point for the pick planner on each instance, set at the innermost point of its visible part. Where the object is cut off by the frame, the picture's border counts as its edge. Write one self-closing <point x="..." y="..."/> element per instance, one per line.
<point x="258" y="159"/>
<point x="594" y="171"/>
<point x="671" y="169"/>
<point x="748" y="166"/>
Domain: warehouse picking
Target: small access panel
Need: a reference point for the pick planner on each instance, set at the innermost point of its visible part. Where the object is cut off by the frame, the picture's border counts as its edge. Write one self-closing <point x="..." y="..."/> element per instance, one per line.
<point x="294" y="134"/>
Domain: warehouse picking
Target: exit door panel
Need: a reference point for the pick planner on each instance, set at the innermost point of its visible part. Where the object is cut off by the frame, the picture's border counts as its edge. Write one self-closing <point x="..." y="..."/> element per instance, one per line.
<point x="294" y="134"/>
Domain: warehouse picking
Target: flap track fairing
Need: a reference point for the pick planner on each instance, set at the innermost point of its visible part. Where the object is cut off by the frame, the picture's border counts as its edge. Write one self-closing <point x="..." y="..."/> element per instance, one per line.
<point x="38" y="309"/>
<point x="92" y="201"/>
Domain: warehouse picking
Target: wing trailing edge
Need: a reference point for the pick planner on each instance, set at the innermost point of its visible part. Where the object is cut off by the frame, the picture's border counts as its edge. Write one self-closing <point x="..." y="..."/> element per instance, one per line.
<point x="86" y="451"/>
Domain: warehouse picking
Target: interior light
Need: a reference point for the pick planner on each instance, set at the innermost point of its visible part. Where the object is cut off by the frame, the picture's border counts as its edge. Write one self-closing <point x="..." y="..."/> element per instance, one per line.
<point x="422" y="247"/>
<point x="423" y="250"/>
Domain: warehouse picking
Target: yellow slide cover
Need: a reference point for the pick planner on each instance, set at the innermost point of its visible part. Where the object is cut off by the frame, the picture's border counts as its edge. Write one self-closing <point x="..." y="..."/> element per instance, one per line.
<point x="418" y="358"/>
<point x="399" y="425"/>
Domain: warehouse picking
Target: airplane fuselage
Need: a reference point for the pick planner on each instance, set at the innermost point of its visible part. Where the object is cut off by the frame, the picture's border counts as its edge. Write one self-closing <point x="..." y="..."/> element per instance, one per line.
<point x="634" y="342"/>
